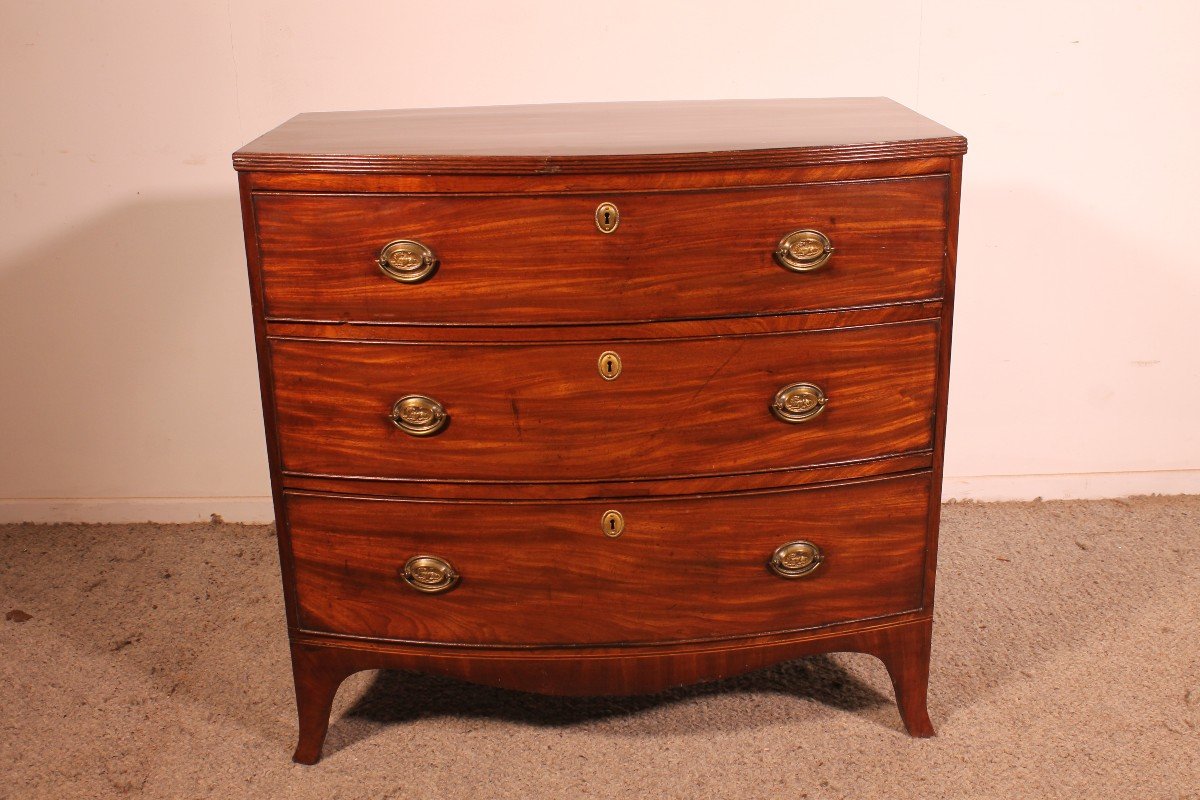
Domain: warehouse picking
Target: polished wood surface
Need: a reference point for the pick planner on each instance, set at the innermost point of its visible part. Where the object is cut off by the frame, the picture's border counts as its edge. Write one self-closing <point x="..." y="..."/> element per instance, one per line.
<point x="268" y="398"/>
<point x="540" y="259"/>
<point x="321" y="663"/>
<point x="729" y="176"/>
<point x="584" y="137"/>
<point x="542" y="413"/>
<point x="497" y="490"/>
<point x="943" y="379"/>
<point x="611" y="333"/>
<point x="546" y="574"/>
<point x="507" y="333"/>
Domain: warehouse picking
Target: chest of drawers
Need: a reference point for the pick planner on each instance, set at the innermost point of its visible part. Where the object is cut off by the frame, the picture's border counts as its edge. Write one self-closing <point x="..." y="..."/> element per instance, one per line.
<point x="604" y="398"/>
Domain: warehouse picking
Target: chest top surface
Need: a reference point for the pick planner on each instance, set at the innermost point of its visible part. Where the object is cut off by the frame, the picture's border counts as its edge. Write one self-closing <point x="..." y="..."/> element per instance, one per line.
<point x="601" y="137"/>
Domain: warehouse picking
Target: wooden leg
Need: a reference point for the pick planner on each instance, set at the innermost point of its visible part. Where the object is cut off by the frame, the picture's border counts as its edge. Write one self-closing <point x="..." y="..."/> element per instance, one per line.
<point x="905" y="653"/>
<point x="318" y="672"/>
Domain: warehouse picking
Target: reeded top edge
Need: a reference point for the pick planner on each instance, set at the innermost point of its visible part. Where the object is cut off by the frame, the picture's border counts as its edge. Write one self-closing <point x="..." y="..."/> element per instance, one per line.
<point x="601" y="137"/>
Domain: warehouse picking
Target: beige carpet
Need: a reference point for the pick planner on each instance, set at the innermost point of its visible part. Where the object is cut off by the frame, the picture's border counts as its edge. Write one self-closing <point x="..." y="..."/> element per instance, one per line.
<point x="1066" y="664"/>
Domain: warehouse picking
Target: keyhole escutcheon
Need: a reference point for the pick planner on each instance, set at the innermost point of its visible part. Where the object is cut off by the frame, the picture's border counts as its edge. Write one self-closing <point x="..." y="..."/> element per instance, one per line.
<point x="612" y="523"/>
<point x="609" y="365"/>
<point x="607" y="217"/>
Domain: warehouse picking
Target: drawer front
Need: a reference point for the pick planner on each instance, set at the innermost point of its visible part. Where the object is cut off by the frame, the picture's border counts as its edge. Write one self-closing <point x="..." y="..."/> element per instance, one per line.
<point x="538" y="259"/>
<point x="546" y="574"/>
<point x="534" y="413"/>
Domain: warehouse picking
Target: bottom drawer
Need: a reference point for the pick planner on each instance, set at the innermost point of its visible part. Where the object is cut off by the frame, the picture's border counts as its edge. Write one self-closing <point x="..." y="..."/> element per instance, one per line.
<point x="535" y="573"/>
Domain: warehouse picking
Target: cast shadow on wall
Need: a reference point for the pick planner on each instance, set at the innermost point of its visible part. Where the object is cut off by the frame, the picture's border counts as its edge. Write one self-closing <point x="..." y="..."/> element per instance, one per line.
<point x="128" y="360"/>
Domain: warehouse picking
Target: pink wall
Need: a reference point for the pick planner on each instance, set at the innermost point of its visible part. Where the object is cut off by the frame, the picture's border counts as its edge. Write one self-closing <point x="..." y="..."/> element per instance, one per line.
<point x="127" y="378"/>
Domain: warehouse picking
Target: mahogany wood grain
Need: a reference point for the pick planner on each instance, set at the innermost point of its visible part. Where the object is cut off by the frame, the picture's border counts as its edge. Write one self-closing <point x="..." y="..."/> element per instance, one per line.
<point x="905" y="652"/>
<point x="601" y="137"/>
<point x="658" y="487"/>
<point x="545" y="574"/>
<point x="324" y="662"/>
<point x="676" y="329"/>
<point x="943" y="380"/>
<point x="540" y="258"/>
<point x="686" y="290"/>
<point x="576" y="183"/>
<point x="542" y="413"/>
<point x="266" y="384"/>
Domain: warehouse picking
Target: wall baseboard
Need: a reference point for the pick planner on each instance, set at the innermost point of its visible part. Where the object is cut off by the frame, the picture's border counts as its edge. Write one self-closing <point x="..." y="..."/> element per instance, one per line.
<point x="982" y="488"/>
<point x="137" y="509"/>
<point x="1071" y="486"/>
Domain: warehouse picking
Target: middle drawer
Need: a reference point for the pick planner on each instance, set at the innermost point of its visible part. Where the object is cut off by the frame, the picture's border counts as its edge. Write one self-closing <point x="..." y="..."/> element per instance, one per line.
<point x="554" y="412"/>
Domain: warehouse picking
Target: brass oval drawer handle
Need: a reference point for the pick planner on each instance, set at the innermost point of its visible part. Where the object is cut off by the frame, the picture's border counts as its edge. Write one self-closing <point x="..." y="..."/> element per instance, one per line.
<point x="796" y="559"/>
<point x="407" y="261"/>
<point x="430" y="574"/>
<point x="418" y="415"/>
<point x="799" y="402"/>
<point x="804" y="250"/>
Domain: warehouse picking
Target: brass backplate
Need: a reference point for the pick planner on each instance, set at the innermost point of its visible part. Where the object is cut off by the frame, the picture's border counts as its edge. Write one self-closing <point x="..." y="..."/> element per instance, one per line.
<point x="795" y="559"/>
<point x="612" y="523"/>
<point x="609" y="365"/>
<point x="418" y="415"/>
<point x="804" y="250"/>
<point x="429" y="574"/>
<point x="798" y="402"/>
<point x="607" y="217"/>
<point x="407" y="261"/>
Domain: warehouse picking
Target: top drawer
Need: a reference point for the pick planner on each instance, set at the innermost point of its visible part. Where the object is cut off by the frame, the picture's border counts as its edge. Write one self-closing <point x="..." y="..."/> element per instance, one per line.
<point x="541" y="259"/>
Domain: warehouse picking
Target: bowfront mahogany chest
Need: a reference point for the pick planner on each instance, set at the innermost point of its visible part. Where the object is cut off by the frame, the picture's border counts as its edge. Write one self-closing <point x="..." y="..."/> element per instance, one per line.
<point x="604" y="398"/>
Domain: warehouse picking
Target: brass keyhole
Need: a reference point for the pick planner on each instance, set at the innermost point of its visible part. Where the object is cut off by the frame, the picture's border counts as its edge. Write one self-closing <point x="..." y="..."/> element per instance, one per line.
<point x="612" y="523"/>
<point x="607" y="217"/>
<point x="609" y="365"/>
